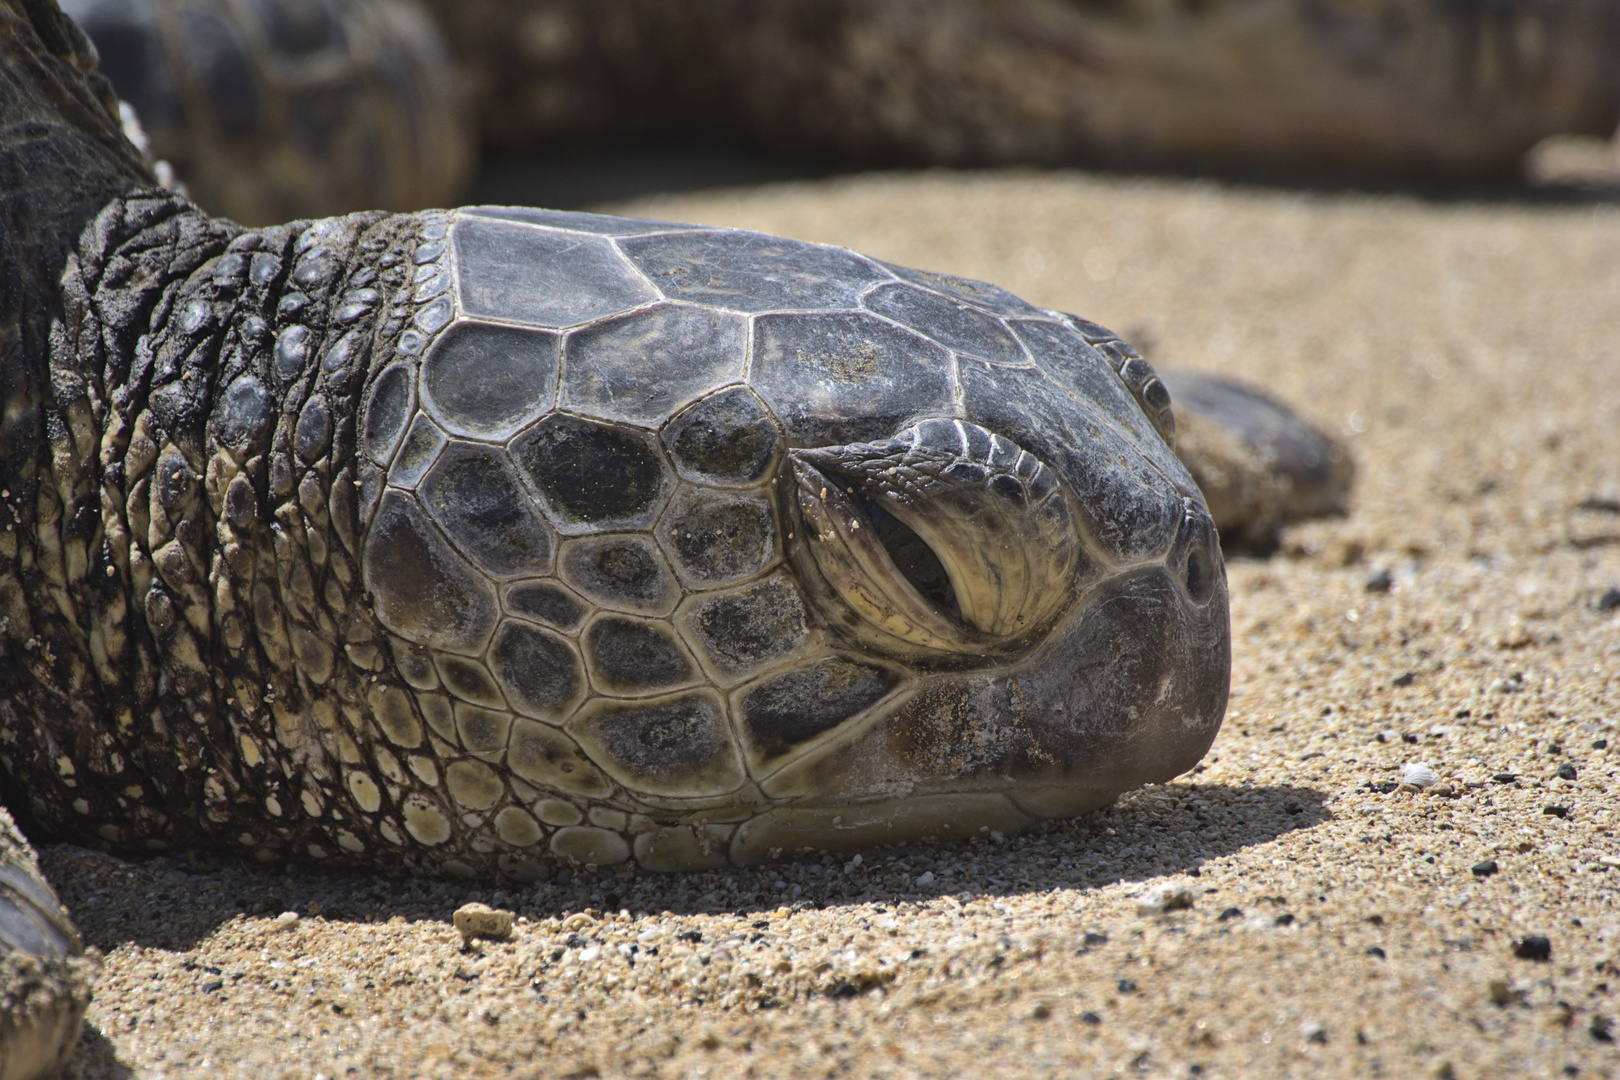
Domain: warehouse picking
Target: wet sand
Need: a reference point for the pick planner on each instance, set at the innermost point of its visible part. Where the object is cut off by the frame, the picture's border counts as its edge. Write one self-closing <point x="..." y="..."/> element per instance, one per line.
<point x="1464" y="616"/>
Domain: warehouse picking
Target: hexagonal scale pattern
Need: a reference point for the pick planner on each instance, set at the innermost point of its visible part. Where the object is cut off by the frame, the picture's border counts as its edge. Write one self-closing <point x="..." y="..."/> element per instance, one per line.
<point x="540" y="277"/>
<point x="486" y="382"/>
<point x="718" y="537"/>
<point x="633" y="657"/>
<point x="745" y="271"/>
<point x="743" y="629"/>
<point x="590" y="473"/>
<point x="475" y="496"/>
<point x="642" y="366"/>
<point x="847" y="377"/>
<point x="620" y="570"/>
<point x="423" y="590"/>
<point x="677" y="747"/>
<point x="577" y="548"/>
<point x="788" y="710"/>
<point x="728" y="438"/>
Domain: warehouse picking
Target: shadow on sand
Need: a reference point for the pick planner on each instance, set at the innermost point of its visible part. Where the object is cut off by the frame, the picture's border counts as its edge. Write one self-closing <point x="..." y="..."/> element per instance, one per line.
<point x="175" y="902"/>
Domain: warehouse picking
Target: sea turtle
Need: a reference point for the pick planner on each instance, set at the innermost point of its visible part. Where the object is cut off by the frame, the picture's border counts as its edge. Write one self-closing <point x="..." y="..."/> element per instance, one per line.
<point x="469" y="542"/>
<point x="273" y="108"/>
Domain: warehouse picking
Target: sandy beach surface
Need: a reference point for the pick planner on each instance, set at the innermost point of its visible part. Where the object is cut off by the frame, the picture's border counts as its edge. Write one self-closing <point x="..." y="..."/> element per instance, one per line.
<point x="1323" y="921"/>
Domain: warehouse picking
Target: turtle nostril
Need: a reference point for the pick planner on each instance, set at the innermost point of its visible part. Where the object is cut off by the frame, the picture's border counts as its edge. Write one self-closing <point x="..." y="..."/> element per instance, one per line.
<point x="1198" y="578"/>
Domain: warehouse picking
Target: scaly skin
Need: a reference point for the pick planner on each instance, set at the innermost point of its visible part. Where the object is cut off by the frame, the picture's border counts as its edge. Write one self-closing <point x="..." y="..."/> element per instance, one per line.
<point x="172" y="555"/>
<point x="160" y="553"/>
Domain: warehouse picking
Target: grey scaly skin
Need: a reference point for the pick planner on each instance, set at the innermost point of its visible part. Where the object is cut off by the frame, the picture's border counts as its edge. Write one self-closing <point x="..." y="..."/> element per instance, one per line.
<point x="470" y="542"/>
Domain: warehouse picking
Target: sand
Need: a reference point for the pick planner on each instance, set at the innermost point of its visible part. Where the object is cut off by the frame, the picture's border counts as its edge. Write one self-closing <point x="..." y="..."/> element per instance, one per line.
<point x="1323" y="921"/>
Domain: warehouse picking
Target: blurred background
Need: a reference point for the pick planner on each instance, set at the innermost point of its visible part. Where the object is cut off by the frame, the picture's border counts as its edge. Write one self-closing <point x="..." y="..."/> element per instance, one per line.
<point x="275" y="109"/>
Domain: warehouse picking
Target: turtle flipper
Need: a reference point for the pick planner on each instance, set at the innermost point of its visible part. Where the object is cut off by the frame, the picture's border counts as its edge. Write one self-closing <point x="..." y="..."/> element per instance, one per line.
<point x="1259" y="465"/>
<point x="45" y="976"/>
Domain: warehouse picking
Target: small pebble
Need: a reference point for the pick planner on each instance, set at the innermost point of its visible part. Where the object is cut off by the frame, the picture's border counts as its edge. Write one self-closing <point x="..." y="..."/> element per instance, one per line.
<point x="1381" y="582"/>
<point x="1229" y="914"/>
<point x="1126" y="986"/>
<point x="1089" y="1017"/>
<point x="286" y="920"/>
<point x="1164" y="898"/>
<point x="1555" y="811"/>
<point x="482" y="921"/>
<point x="1313" y="1032"/>
<point x="1500" y="992"/>
<point x="1533" y="947"/>
<point x="925" y="878"/>
<point x="1505" y="777"/>
<point x="1377" y="953"/>
<point x="1419" y="776"/>
<point x="1608" y="601"/>
<point x="1405" y="678"/>
<point x="1566" y="771"/>
<point x="1484" y="869"/>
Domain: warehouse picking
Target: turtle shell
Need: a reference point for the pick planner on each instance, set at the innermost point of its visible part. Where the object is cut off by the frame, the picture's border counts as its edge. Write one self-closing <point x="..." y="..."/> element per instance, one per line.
<point x="698" y="544"/>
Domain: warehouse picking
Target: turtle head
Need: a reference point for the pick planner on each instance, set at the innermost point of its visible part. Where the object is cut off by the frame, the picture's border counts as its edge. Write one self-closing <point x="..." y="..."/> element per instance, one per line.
<point x="1063" y="610"/>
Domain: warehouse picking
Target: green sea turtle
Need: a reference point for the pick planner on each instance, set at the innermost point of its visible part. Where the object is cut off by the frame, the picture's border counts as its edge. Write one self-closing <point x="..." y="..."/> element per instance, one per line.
<point x="470" y="542"/>
<point x="275" y="108"/>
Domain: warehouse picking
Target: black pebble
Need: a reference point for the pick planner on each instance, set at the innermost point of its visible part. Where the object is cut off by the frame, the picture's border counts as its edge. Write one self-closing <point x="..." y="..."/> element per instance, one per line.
<point x="213" y="987"/>
<point x="1608" y="601"/>
<point x="1229" y="913"/>
<point x="1380" y="582"/>
<point x="1555" y="811"/>
<point x="1126" y="986"/>
<point x="694" y="936"/>
<point x="1505" y="777"/>
<point x="1533" y="947"/>
<point x="1554" y="748"/>
<point x="1600" y="744"/>
<point x="1090" y="1018"/>
<point x="1405" y="678"/>
<point x="1285" y="919"/>
<point x="1406" y="737"/>
<point x="1094" y="938"/>
<point x="1376" y="951"/>
<point x="1601" y="1029"/>
<point x="1566" y="771"/>
<point x="1484" y="869"/>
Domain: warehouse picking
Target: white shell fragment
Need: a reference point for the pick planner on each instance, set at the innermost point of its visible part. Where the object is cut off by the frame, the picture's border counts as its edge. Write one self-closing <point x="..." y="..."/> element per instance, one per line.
<point x="1164" y="898"/>
<point x="1419" y="776"/>
<point x="482" y="921"/>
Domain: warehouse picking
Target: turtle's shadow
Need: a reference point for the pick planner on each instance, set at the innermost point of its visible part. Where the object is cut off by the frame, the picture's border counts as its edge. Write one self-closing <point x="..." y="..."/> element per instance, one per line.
<point x="175" y="903"/>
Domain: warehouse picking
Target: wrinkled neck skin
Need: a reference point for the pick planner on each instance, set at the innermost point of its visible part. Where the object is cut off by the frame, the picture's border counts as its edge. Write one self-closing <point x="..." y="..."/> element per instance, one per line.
<point x="178" y="581"/>
<point x="181" y="587"/>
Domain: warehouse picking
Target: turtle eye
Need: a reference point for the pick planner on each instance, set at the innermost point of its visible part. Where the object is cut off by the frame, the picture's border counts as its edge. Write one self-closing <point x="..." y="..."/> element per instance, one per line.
<point x="945" y="540"/>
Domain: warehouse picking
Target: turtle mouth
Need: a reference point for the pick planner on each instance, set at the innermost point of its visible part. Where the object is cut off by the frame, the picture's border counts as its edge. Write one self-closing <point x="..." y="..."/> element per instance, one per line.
<point x="945" y="542"/>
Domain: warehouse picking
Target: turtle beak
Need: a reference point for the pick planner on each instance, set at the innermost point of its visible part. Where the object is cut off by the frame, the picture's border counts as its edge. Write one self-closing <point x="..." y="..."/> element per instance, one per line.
<point x="944" y="541"/>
